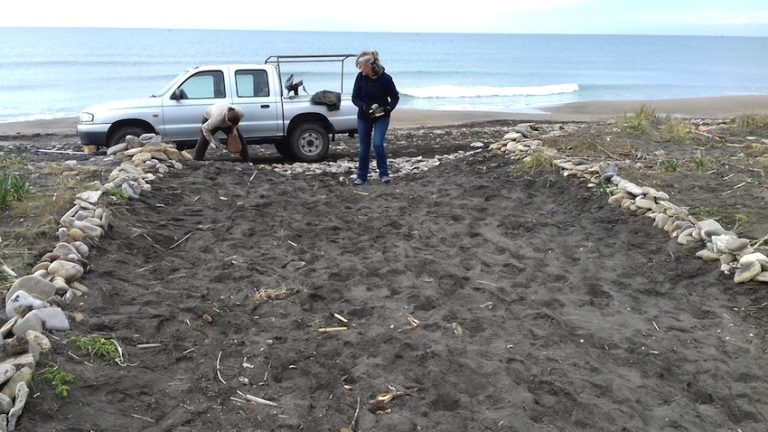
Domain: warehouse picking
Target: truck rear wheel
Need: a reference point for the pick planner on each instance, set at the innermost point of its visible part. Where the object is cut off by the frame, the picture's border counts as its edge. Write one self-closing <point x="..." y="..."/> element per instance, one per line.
<point x="309" y="142"/>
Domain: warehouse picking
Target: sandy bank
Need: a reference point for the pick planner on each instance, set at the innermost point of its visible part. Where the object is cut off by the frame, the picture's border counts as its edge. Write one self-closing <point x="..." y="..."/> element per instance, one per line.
<point x="714" y="107"/>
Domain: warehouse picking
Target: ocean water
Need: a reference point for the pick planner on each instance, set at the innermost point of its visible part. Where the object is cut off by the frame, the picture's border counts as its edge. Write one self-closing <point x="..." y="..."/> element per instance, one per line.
<point x="56" y="72"/>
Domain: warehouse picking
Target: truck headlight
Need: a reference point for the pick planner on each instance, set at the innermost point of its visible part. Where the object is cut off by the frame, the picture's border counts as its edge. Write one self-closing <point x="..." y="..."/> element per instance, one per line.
<point x="86" y="117"/>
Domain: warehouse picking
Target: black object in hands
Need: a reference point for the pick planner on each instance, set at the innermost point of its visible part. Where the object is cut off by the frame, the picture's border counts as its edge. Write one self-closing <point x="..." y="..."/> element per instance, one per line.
<point x="376" y="111"/>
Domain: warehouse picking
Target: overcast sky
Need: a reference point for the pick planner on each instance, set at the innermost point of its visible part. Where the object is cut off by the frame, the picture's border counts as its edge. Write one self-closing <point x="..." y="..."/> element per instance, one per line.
<point x="678" y="17"/>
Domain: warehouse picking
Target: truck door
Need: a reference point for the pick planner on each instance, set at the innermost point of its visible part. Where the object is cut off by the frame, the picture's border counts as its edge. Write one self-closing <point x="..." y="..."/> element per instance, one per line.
<point x="254" y="94"/>
<point x="183" y="116"/>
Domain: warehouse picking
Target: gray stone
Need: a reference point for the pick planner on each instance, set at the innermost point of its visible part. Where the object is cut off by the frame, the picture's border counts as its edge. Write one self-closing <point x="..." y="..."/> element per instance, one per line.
<point x="82" y="248"/>
<point x="35" y="286"/>
<point x="22" y="361"/>
<point x="16" y="346"/>
<point x="38" y="343"/>
<point x="91" y="197"/>
<point x="52" y="318"/>
<point x="115" y="149"/>
<point x="747" y="271"/>
<point x="22" y="392"/>
<point x="23" y="375"/>
<point x="6" y="372"/>
<point x="6" y="404"/>
<point x="91" y="231"/>
<point x="65" y="249"/>
<point x="31" y="321"/>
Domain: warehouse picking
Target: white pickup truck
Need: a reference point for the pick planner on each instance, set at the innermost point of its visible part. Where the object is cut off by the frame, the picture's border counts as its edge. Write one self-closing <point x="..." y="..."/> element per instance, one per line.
<point x="299" y="128"/>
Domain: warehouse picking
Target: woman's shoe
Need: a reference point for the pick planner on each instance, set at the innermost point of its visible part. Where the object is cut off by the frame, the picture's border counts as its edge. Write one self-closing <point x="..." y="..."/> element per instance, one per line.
<point x="358" y="182"/>
<point x="386" y="180"/>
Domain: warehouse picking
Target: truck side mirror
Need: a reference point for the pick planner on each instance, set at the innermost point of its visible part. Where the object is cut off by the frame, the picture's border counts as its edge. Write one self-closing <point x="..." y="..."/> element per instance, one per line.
<point x="179" y="94"/>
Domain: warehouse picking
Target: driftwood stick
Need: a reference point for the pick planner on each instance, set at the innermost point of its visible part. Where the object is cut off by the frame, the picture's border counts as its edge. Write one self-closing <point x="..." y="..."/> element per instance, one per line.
<point x="143" y="418"/>
<point x="218" y="368"/>
<point x="353" y="423"/>
<point x="331" y="329"/>
<point x="7" y="270"/>
<point x="120" y="361"/>
<point x="178" y="242"/>
<point x="257" y="400"/>
<point x="606" y="151"/>
<point x="149" y="345"/>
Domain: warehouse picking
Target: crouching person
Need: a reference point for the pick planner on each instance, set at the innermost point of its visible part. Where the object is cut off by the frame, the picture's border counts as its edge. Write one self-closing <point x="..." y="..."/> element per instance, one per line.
<point x="225" y="118"/>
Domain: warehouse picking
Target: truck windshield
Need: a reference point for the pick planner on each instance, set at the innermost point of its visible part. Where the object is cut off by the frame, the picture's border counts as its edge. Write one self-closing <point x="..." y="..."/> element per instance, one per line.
<point x="170" y="85"/>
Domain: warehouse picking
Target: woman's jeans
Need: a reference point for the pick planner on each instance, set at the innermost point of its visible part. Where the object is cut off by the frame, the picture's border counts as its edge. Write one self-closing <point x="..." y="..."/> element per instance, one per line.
<point x="378" y="130"/>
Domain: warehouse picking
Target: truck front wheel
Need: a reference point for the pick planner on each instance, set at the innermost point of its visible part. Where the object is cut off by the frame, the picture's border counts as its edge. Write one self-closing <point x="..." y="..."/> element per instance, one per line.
<point x="284" y="150"/>
<point x="119" y="135"/>
<point x="309" y="142"/>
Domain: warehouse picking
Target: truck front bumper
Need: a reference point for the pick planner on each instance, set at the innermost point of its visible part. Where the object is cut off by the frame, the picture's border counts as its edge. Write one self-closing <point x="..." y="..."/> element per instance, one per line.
<point x="93" y="133"/>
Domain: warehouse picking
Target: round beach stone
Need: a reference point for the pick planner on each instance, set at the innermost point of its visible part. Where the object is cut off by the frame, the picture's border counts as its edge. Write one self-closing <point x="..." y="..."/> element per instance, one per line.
<point x="736" y="244"/>
<point x="747" y="271"/>
<point x="67" y="270"/>
<point x="76" y="235"/>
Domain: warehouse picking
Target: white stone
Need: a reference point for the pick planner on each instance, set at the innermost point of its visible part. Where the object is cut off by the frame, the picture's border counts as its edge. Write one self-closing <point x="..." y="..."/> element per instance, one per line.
<point x="21" y="298"/>
<point x="91" y="197"/>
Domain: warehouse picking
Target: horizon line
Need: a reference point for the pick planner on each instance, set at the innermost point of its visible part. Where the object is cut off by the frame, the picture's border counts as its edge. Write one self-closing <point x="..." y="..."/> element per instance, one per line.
<point x="389" y="32"/>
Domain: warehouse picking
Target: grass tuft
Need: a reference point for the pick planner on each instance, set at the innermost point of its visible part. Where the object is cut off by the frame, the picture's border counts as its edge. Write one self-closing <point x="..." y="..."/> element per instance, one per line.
<point x="675" y="130"/>
<point x="537" y="161"/>
<point x="701" y="163"/>
<point x="13" y="187"/>
<point x="751" y="121"/>
<point x="670" y="165"/>
<point x="640" y="122"/>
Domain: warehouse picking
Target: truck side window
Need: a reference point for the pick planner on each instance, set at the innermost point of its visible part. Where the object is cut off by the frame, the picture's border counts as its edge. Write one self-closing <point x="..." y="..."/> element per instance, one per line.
<point x="205" y="85"/>
<point x="251" y="83"/>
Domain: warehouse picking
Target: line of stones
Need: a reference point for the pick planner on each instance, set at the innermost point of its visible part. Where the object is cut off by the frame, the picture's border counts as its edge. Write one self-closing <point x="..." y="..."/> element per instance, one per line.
<point x="35" y="303"/>
<point x="737" y="256"/>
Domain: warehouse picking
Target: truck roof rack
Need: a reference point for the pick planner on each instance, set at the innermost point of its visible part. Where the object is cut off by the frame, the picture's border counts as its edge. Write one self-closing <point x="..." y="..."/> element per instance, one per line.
<point x="317" y="58"/>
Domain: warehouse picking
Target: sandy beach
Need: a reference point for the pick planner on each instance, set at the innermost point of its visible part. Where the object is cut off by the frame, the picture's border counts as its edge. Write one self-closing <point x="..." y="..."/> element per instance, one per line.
<point x="715" y="107"/>
<point x="480" y="297"/>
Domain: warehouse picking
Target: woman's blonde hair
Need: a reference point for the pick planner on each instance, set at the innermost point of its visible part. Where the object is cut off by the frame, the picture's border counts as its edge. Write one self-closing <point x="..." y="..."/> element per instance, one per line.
<point x="371" y="58"/>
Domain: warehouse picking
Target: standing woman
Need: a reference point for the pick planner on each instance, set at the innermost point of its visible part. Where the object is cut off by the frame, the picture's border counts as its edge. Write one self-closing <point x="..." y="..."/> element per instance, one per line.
<point x="375" y="96"/>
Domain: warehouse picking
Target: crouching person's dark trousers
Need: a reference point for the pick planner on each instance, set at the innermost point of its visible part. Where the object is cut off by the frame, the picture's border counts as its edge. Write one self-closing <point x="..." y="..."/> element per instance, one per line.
<point x="202" y="144"/>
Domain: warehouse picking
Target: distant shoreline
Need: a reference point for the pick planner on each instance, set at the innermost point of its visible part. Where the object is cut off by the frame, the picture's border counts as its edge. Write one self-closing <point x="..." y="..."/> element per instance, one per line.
<point x="708" y="107"/>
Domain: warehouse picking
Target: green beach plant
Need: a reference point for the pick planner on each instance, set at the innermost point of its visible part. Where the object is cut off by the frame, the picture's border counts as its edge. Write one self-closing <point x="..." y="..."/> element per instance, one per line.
<point x="740" y="220"/>
<point x="119" y="194"/>
<point x="97" y="346"/>
<point x="669" y="165"/>
<point x="57" y="379"/>
<point x="702" y="163"/>
<point x="8" y="161"/>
